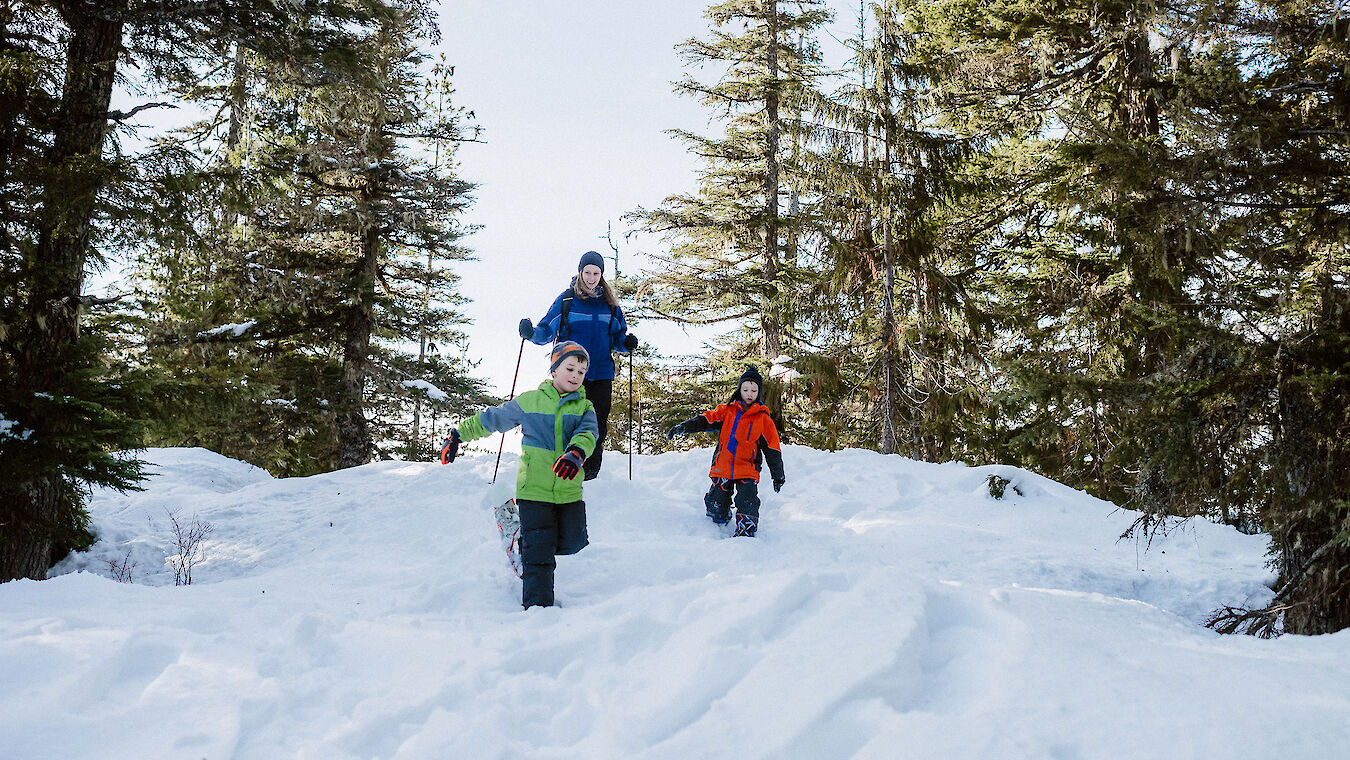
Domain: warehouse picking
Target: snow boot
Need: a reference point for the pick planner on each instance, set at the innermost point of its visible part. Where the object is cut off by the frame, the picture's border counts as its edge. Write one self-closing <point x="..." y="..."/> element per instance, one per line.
<point x="746" y="525"/>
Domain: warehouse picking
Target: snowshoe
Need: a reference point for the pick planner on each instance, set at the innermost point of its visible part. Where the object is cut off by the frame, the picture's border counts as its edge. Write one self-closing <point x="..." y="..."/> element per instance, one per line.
<point x="508" y="525"/>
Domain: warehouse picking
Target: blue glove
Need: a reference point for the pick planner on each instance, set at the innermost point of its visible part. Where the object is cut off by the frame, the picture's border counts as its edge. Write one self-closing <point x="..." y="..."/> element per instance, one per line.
<point x="569" y="464"/>
<point x="526" y="329"/>
<point x="630" y="341"/>
<point x="450" y="447"/>
<point x="674" y="431"/>
<point x="778" y="485"/>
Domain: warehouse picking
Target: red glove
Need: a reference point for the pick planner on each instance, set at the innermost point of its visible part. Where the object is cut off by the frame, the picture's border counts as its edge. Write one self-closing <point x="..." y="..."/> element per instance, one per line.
<point x="450" y="447"/>
<point x="569" y="464"/>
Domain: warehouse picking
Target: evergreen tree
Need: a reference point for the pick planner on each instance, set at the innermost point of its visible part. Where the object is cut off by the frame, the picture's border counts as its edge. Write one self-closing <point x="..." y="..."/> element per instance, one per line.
<point x="1089" y="259"/>
<point x="61" y="413"/>
<point x="728" y="261"/>
<point x="1271" y="130"/>
<point x="897" y="251"/>
<point x="336" y="265"/>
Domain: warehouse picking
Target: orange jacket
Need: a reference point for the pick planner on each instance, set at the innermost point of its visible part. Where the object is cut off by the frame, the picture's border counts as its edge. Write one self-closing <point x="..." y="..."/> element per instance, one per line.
<point x="748" y="437"/>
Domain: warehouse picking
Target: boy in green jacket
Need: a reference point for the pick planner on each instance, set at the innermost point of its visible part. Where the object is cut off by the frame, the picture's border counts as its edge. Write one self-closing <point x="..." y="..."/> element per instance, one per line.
<point x="559" y="429"/>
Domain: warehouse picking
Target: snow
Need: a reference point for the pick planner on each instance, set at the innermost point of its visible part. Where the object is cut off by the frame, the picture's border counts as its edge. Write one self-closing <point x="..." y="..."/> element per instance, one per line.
<point x="236" y="329"/>
<point x="12" y="429"/>
<point x="436" y="394"/>
<point x="888" y="609"/>
<point x="781" y="370"/>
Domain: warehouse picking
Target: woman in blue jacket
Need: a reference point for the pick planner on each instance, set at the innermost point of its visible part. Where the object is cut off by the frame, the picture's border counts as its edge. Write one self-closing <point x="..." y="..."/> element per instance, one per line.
<point x="588" y="313"/>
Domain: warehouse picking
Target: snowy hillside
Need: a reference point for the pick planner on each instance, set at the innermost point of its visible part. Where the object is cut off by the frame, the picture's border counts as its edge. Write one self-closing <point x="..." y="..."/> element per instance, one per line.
<point x="889" y="609"/>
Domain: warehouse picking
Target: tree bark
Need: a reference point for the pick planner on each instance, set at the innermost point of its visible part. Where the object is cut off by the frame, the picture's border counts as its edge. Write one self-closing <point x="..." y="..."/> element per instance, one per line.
<point x="46" y="340"/>
<point x="354" y="442"/>
<point x="890" y="429"/>
<point x="1138" y="112"/>
<point x="1138" y="106"/>
<point x="773" y="331"/>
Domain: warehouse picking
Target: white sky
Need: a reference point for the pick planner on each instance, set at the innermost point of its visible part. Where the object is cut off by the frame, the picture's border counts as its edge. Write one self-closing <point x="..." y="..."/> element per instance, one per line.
<point x="575" y="99"/>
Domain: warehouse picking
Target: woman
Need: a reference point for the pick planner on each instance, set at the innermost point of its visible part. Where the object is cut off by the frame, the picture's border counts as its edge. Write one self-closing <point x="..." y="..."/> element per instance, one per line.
<point x="588" y="313"/>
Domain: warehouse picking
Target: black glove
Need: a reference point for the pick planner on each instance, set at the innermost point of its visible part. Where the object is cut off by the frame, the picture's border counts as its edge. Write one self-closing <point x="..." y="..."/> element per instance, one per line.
<point x="630" y="341"/>
<point x="450" y="447"/>
<point x="526" y="329"/>
<point x="569" y="464"/>
<point x="677" y="430"/>
<point x="778" y="485"/>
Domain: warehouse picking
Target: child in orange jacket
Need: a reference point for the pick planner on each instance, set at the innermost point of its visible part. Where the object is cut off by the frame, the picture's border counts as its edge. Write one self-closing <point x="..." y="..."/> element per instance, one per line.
<point x="747" y="438"/>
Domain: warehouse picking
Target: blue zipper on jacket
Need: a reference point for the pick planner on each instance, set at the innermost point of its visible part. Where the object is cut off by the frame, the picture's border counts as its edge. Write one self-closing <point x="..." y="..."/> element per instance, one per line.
<point x="732" y="443"/>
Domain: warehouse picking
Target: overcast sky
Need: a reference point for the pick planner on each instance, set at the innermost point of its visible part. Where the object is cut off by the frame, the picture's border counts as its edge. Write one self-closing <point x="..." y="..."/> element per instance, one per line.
<point x="575" y="99"/>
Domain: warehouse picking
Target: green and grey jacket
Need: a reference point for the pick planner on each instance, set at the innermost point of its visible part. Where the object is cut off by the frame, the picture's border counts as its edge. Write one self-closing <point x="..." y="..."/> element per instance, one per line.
<point x="549" y="425"/>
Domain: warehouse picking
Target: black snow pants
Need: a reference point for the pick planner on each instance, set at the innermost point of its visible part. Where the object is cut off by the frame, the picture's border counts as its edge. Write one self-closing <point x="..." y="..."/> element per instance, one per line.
<point x="718" y="499"/>
<point x="547" y="530"/>
<point x="601" y="394"/>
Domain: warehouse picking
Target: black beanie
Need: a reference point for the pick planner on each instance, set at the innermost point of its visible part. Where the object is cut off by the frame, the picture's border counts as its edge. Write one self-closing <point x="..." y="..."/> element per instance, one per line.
<point x="753" y="376"/>
<point x="591" y="257"/>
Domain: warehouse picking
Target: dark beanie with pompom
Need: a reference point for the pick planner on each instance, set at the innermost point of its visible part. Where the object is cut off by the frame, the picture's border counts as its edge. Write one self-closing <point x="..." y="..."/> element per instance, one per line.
<point x="753" y="376"/>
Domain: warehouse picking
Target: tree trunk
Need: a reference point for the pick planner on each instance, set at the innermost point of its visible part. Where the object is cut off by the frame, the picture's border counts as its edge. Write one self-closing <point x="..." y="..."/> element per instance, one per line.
<point x="1138" y="105"/>
<point x="890" y="405"/>
<point x="1138" y="112"/>
<point x="773" y="331"/>
<point x="354" y="443"/>
<point x="45" y="343"/>
<point x="416" y="434"/>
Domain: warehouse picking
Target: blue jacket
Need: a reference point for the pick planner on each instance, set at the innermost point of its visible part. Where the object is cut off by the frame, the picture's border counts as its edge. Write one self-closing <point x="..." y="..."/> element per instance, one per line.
<point x="591" y="323"/>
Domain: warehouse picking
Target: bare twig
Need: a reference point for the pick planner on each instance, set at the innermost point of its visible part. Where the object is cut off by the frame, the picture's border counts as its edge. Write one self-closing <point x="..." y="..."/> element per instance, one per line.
<point x="120" y="569"/>
<point x="188" y="539"/>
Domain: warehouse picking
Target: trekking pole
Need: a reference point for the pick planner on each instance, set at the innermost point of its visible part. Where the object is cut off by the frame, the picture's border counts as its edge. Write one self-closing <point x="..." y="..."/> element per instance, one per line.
<point x="630" y="415"/>
<point x="502" y="445"/>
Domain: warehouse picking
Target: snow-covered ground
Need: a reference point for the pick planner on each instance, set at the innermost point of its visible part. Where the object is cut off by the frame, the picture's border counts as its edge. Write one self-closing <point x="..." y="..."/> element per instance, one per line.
<point x="889" y="609"/>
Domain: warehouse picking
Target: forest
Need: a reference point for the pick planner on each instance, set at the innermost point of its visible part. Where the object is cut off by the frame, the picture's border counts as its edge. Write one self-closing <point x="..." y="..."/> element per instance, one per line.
<point x="1103" y="241"/>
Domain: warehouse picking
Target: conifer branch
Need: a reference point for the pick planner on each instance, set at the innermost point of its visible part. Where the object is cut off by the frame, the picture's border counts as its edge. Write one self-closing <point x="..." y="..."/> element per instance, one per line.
<point x="687" y="320"/>
<point x="124" y="115"/>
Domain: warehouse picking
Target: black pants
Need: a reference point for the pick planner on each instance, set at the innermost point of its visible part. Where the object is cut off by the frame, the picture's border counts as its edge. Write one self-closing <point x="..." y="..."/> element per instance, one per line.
<point x="718" y="499"/>
<point x="547" y="530"/>
<point x="601" y="394"/>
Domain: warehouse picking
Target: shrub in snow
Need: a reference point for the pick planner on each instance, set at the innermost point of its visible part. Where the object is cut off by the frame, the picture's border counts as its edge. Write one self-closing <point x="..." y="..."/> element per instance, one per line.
<point x="120" y="569"/>
<point x="188" y="539"/>
<point x="998" y="486"/>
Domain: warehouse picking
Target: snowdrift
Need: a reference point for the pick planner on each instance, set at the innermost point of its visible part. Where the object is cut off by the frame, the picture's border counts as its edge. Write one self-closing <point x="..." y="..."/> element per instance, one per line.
<point x="888" y="609"/>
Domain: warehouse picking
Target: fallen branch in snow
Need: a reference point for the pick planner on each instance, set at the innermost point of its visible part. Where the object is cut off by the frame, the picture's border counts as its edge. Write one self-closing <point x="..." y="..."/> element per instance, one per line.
<point x="1264" y="623"/>
<point x="1151" y="524"/>
<point x="1267" y="622"/>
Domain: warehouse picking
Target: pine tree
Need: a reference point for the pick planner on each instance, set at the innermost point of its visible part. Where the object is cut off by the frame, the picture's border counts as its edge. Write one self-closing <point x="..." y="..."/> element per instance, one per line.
<point x="61" y="409"/>
<point x="897" y="253"/>
<point x="727" y="263"/>
<point x="61" y="63"/>
<point x="1271" y="129"/>
<point x="335" y="262"/>
<point x="399" y="219"/>
<point x="1089" y="260"/>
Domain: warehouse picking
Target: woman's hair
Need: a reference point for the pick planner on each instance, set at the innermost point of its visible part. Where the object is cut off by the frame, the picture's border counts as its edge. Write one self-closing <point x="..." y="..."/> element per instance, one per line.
<point x="579" y="287"/>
